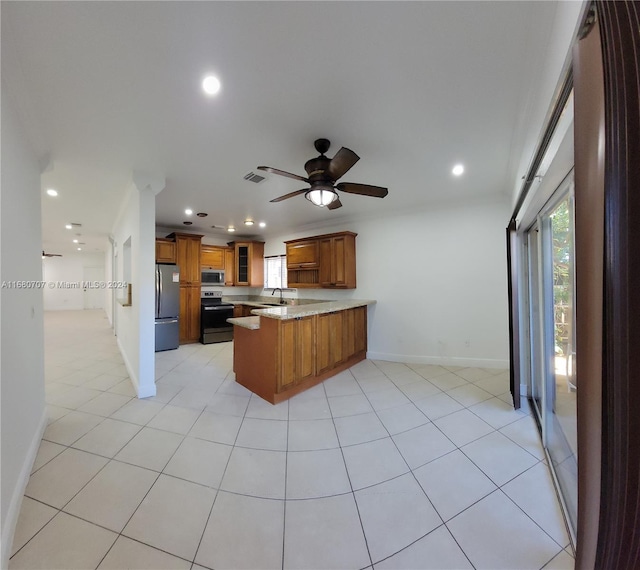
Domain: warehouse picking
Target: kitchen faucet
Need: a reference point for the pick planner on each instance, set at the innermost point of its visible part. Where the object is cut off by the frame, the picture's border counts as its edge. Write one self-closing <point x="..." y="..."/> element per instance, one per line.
<point x="282" y="302"/>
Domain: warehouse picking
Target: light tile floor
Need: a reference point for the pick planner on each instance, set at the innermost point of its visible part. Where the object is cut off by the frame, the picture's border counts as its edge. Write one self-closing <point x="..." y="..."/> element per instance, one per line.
<point x="385" y="466"/>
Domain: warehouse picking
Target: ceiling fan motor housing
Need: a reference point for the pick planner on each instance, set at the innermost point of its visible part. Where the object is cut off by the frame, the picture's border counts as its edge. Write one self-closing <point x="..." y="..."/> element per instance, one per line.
<point x="316" y="169"/>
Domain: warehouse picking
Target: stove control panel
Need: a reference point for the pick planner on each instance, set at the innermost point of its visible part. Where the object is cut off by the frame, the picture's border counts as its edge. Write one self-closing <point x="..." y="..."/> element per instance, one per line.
<point x="211" y="294"/>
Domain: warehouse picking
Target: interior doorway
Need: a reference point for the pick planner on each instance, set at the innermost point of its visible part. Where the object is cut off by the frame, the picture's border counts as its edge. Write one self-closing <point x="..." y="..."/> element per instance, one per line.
<point x="93" y="277"/>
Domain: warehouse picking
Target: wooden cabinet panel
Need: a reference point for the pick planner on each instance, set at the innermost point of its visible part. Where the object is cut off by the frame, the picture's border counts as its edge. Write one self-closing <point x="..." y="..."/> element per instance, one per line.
<point x="249" y="263"/>
<point x="354" y="331"/>
<point x="229" y="266"/>
<point x="304" y="254"/>
<point x="330" y="334"/>
<point x="189" y="313"/>
<point x="237" y="311"/>
<point x="338" y="262"/>
<point x="212" y="257"/>
<point x="188" y="257"/>
<point x="165" y="251"/>
<point x="297" y="346"/>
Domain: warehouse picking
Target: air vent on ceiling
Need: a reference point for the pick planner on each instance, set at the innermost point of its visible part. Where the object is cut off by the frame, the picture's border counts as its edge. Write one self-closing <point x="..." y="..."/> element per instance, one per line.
<point x="253" y="177"/>
<point x="76" y="225"/>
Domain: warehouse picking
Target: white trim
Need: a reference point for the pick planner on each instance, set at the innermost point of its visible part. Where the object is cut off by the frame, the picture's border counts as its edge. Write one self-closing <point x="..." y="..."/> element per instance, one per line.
<point x="440" y="360"/>
<point x="9" y="528"/>
<point x="133" y="377"/>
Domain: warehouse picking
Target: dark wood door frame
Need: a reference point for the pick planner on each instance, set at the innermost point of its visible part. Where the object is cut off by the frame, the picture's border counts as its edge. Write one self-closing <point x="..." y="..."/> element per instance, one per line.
<point x="619" y="536"/>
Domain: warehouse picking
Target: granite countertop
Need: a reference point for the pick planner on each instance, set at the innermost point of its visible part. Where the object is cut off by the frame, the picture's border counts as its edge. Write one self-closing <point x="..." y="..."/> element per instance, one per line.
<point x="286" y="312"/>
<point x="252" y="323"/>
<point x="260" y="301"/>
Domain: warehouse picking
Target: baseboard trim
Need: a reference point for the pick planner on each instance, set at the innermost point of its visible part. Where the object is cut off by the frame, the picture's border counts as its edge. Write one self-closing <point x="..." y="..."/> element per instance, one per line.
<point x="132" y="376"/>
<point x="440" y="360"/>
<point x="9" y="528"/>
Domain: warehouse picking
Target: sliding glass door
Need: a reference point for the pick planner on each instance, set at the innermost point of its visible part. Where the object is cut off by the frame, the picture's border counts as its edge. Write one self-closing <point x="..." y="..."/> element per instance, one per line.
<point x="550" y="252"/>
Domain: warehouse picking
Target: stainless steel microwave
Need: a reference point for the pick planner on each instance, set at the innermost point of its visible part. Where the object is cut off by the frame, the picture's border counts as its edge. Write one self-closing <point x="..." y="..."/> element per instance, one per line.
<point x="212" y="277"/>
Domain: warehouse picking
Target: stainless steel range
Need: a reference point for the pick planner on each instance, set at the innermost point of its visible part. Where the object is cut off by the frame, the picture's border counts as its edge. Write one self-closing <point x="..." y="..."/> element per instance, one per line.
<point x="213" y="318"/>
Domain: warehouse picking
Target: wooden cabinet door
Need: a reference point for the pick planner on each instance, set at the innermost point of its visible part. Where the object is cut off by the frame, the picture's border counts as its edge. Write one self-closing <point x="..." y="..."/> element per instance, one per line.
<point x="297" y="348"/>
<point x="188" y="259"/>
<point x="165" y="251"/>
<point x="349" y="336"/>
<point x="229" y="266"/>
<point x="212" y="257"/>
<point x="243" y="265"/>
<point x="338" y="252"/>
<point x="303" y="255"/>
<point x="288" y="351"/>
<point x="189" y="313"/>
<point x="326" y="262"/>
<point x="194" y="313"/>
<point x="305" y="363"/>
<point x="360" y="328"/>
<point x="237" y="311"/>
<point x="330" y="336"/>
<point x="354" y="331"/>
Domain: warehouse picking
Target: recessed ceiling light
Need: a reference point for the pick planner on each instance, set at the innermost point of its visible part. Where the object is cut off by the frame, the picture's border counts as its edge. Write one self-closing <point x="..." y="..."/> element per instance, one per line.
<point x="262" y="224"/>
<point x="188" y="211"/>
<point x="75" y="241"/>
<point x="249" y="222"/>
<point x="457" y="170"/>
<point x="187" y="223"/>
<point x="231" y="229"/>
<point x="202" y="214"/>
<point x="52" y="192"/>
<point x="69" y="226"/>
<point x="211" y="84"/>
<point x="79" y="249"/>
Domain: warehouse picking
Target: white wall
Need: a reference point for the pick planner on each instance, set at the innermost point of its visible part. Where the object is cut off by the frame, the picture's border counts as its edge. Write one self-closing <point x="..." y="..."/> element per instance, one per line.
<point x="68" y="269"/>
<point x="439" y="279"/>
<point x="22" y="338"/>
<point x="134" y="325"/>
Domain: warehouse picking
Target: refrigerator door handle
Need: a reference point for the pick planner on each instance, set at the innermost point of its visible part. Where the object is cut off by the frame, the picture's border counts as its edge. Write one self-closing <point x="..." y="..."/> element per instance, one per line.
<point x="160" y="296"/>
<point x="167" y="322"/>
<point x="157" y="291"/>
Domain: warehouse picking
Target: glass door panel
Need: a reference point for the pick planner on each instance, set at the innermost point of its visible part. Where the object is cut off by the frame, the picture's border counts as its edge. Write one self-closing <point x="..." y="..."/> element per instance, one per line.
<point x="550" y="275"/>
<point x="561" y="384"/>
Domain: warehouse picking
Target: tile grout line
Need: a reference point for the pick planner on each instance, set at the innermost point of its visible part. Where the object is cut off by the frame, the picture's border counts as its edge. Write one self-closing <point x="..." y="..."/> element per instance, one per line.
<point x="353" y="495"/>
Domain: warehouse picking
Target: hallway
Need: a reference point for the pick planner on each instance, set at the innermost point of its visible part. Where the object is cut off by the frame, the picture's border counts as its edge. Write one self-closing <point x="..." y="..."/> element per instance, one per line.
<point x="385" y="466"/>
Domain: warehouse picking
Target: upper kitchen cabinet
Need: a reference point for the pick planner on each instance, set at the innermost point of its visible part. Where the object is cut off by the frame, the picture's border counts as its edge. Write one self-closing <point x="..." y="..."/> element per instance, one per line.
<point x="229" y="266"/>
<point x="338" y="261"/>
<point x="303" y="254"/>
<point x="327" y="261"/>
<point x="165" y="250"/>
<point x="188" y="257"/>
<point x="248" y="263"/>
<point x="212" y="257"/>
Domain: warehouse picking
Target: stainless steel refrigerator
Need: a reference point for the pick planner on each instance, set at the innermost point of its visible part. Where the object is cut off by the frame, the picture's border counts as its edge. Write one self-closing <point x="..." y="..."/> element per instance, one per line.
<point x="167" y="307"/>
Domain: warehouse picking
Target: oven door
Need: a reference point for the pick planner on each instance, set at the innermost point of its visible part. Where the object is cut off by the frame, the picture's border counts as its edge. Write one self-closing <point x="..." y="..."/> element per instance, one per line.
<point x="213" y="323"/>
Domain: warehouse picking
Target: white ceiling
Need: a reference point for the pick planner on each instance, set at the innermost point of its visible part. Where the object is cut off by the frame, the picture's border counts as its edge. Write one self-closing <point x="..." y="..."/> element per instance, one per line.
<point x="106" y="88"/>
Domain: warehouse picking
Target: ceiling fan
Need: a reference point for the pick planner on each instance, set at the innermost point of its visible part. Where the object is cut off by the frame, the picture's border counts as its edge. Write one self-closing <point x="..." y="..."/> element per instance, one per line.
<point x="323" y="173"/>
<point x="50" y="254"/>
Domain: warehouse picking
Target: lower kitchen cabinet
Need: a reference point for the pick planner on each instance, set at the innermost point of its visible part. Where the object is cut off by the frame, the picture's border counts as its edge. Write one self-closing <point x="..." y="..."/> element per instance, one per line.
<point x="330" y="341"/>
<point x="354" y="329"/>
<point x="189" y="313"/>
<point x="284" y="357"/>
<point x="297" y="344"/>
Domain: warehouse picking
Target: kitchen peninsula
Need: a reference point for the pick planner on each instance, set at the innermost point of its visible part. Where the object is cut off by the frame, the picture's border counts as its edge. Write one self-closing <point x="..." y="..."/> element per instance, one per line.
<point x="282" y="351"/>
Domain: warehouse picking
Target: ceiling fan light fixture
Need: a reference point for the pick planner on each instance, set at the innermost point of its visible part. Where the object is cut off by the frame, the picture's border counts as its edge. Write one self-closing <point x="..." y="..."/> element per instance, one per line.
<point x="321" y="196"/>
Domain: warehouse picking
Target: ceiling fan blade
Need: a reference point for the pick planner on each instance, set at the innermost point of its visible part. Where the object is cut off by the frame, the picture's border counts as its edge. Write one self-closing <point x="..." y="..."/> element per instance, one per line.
<point x="342" y="162"/>
<point x="363" y="189"/>
<point x="335" y="204"/>
<point x="282" y="173"/>
<point x="289" y="195"/>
